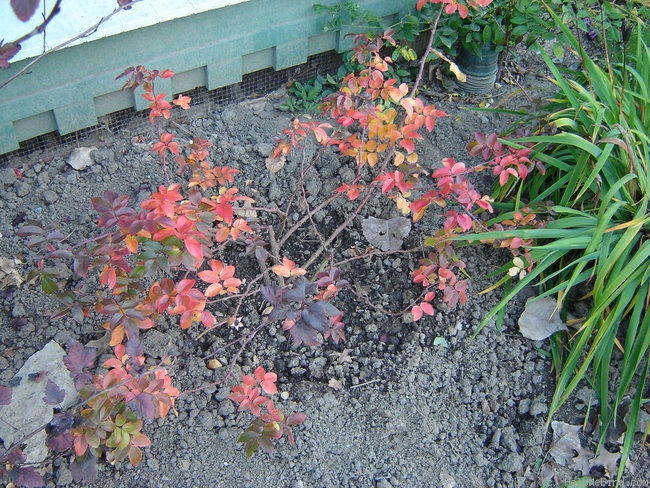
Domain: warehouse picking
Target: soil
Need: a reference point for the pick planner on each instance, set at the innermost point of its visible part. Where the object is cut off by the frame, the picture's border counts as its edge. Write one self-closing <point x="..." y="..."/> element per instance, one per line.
<point x="412" y="410"/>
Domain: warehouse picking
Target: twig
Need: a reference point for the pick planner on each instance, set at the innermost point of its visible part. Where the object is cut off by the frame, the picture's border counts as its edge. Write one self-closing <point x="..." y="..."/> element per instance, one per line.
<point x="351" y="217"/>
<point x="39" y="28"/>
<point x="427" y="51"/>
<point x="244" y="342"/>
<point x="366" y="383"/>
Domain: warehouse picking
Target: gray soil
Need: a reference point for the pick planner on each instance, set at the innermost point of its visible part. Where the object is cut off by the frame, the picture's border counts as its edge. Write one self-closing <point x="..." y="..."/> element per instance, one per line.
<point x="410" y="413"/>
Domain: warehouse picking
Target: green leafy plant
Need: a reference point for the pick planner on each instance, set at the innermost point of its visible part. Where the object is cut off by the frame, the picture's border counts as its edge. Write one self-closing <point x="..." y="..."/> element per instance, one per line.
<point x="500" y="23"/>
<point x="307" y="96"/>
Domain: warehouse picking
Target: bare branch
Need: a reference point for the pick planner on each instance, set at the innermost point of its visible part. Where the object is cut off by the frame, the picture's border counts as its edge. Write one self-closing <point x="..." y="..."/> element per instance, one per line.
<point x="38" y="29"/>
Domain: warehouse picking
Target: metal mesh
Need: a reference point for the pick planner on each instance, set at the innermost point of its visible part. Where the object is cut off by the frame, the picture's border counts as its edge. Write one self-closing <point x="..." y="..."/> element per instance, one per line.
<point x="252" y="85"/>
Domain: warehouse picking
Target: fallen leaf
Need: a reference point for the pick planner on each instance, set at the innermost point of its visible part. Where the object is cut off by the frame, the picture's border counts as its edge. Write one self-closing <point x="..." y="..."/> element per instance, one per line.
<point x="335" y="384"/>
<point x="540" y="319"/>
<point x="9" y="275"/>
<point x="453" y="67"/>
<point x="275" y="164"/>
<point x="344" y="357"/>
<point x="608" y="460"/>
<point x="81" y="157"/>
<point x="387" y="235"/>
<point x="566" y="443"/>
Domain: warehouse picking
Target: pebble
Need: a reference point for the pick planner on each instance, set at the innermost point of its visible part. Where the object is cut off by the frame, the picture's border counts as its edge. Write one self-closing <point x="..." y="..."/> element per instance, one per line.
<point x="317" y="366"/>
<point x="524" y="406"/>
<point x="538" y="408"/>
<point x="511" y="463"/>
<point x="7" y="176"/>
<point x="43" y="179"/>
<point x="298" y="371"/>
<point x="264" y="148"/>
<point x="50" y="196"/>
<point x="226" y="408"/>
<point x="480" y="459"/>
<point x="63" y="476"/>
<point x="23" y="188"/>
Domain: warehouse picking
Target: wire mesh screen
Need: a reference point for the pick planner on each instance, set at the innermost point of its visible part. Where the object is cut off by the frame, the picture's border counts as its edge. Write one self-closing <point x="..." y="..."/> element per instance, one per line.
<point x="252" y="85"/>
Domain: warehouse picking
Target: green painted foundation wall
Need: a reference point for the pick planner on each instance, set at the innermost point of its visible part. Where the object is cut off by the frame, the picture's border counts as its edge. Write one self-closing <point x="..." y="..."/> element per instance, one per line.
<point x="67" y="90"/>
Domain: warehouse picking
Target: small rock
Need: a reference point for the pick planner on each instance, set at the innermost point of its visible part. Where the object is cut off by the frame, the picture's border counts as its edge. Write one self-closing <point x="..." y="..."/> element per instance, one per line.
<point x="23" y="188"/>
<point x="104" y="157"/>
<point x="184" y="465"/>
<point x="221" y="394"/>
<point x="509" y="438"/>
<point x="383" y="483"/>
<point x="511" y="463"/>
<point x="27" y="411"/>
<point x="480" y="459"/>
<point x="226" y="408"/>
<point x="50" y="196"/>
<point x="538" y="408"/>
<point x="495" y="441"/>
<point x="63" y="476"/>
<point x="264" y="148"/>
<point x="316" y="367"/>
<point x="207" y="420"/>
<point x="447" y="481"/>
<point x="156" y="343"/>
<point x="524" y="406"/>
<point x="7" y="176"/>
<point x="298" y="371"/>
<point x="43" y="179"/>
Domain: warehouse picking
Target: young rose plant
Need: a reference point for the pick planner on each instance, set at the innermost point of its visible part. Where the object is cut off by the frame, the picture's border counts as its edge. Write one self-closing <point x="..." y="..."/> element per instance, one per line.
<point x="177" y="229"/>
<point x="377" y="122"/>
<point x="166" y="257"/>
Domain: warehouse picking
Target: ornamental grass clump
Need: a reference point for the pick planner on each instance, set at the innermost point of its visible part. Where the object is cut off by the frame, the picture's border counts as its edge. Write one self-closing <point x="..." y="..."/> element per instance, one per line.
<point x="590" y="180"/>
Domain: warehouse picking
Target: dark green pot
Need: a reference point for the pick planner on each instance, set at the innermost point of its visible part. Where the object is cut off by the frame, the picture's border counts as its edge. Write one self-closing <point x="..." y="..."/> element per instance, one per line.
<point x="480" y="69"/>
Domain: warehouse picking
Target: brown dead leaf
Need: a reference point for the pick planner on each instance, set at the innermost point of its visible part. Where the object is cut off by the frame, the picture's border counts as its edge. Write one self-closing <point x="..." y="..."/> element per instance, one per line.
<point x="214" y="364"/>
<point x="275" y="164"/>
<point x="344" y="357"/>
<point x="608" y="460"/>
<point x="335" y="384"/>
<point x="566" y="443"/>
<point x="9" y="275"/>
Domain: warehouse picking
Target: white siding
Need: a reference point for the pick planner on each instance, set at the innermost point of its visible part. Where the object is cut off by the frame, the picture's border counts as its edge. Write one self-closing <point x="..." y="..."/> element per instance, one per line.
<point x="76" y="16"/>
